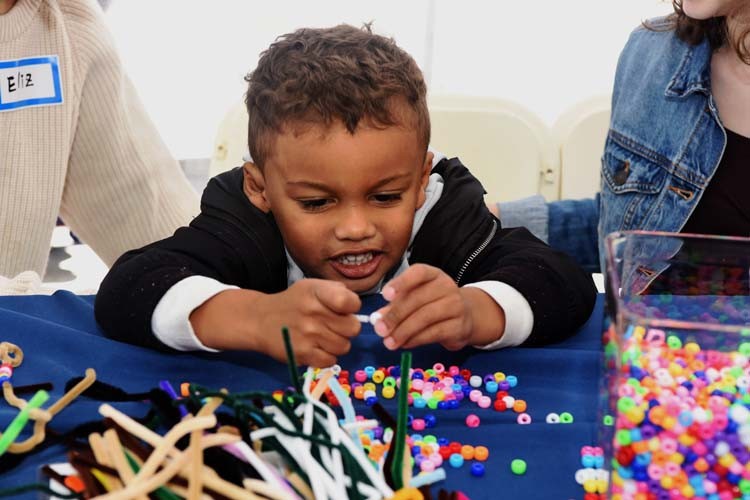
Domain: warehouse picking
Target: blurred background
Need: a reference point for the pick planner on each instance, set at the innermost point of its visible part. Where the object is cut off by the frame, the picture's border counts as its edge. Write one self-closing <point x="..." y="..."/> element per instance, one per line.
<point x="188" y="57"/>
<point x="518" y="90"/>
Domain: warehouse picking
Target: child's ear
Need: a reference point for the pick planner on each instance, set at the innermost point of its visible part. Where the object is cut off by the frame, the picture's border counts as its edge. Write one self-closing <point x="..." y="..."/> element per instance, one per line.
<point x="254" y="186"/>
<point x="424" y="179"/>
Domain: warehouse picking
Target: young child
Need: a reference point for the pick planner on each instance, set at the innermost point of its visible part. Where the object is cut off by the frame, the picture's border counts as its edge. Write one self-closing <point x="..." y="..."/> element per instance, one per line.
<point x="342" y="198"/>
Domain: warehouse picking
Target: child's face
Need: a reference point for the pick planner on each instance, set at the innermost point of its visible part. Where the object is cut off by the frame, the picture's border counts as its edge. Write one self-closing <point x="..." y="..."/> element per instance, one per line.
<point x="344" y="203"/>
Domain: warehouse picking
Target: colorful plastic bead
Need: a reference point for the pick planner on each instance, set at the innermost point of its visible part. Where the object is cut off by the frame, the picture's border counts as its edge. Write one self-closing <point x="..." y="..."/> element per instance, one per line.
<point x="519" y="406"/>
<point x="388" y="392"/>
<point x="430" y="420"/>
<point x="472" y="420"/>
<point x="481" y="453"/>
<point x="427" y="465"/>
<point x="467" y="451"/>
<point x="523" y="419"/>
<point x="477" y="470"/>
<point x="456" y="460"/>
<point x="518" y="466"/>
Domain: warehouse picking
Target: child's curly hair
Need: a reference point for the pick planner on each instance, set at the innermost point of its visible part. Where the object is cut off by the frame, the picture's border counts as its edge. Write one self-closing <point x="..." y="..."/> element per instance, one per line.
<point x="322" y="75"/>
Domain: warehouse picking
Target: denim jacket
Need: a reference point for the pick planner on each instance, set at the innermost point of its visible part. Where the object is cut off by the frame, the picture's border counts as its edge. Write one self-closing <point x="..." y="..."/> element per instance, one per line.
<point x="664" y="144"/>
<point x="665" y="138"/>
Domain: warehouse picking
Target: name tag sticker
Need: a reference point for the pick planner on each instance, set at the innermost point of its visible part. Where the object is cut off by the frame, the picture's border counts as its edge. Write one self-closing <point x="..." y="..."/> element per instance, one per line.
<point x="34" y="81"/>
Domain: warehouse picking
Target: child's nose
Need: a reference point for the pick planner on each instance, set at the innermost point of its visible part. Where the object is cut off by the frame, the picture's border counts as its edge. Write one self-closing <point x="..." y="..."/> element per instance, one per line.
<point x="354" y="224"/>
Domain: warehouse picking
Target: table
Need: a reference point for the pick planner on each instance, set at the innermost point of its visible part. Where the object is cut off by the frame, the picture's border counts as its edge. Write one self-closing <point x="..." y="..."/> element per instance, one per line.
<point x="60" y="339"/>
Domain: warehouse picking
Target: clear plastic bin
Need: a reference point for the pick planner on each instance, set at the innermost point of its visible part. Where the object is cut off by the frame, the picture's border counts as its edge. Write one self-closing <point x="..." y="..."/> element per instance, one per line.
<point x="676" y="398"/>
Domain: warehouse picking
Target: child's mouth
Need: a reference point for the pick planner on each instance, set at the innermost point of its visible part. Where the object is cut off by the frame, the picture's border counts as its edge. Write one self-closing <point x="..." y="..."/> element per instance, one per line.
<point x="357" y="266"/>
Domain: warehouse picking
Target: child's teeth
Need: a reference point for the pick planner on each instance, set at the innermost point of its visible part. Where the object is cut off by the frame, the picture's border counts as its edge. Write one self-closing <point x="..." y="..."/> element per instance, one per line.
<point x="357" y="259"/>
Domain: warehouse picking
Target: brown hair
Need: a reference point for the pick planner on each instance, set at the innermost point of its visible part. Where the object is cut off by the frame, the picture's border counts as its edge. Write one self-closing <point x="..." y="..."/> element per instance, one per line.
<point x="322" y="75"/>
<point x="715" y="29"/>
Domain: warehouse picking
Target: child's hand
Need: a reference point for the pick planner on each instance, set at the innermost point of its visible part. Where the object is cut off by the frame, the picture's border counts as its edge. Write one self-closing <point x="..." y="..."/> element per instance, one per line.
<point x="318" y="313"/>
<point x="320" y="318"/>
<point x="426" y="306"/>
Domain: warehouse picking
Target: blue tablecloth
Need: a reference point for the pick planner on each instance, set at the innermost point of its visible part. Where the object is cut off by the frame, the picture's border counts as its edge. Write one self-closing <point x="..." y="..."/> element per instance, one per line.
<point x="60" y="339"/>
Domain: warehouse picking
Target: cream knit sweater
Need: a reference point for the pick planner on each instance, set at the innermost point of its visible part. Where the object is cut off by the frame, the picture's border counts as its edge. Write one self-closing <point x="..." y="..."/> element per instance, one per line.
<point x="97" y="160"/>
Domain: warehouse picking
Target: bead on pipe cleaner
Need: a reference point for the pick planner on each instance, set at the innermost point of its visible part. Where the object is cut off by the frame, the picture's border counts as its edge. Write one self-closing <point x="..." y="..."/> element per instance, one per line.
<point x="371" y="318"/>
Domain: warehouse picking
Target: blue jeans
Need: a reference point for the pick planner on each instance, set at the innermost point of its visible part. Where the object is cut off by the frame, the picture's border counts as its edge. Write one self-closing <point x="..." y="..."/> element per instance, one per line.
<point x="566" y="225"/>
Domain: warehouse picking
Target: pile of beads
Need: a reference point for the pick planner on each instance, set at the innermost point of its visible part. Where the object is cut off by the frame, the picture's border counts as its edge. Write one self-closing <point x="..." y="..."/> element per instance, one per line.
<point x="704" y="308"/>
<point x="435" y="388"/>
<point x="428" y="451"/>
<point x="682" y="423"/>
<point x="593" y="477"/>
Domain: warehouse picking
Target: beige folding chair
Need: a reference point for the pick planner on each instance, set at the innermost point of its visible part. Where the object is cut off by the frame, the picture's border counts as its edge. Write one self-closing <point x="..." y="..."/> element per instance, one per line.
<point x="231" y="141"/>
<point x="579" y="134"/>
<point x="505" y="145"/>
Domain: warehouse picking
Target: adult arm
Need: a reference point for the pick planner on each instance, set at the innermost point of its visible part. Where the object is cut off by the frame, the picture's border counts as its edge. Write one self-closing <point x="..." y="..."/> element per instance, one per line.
<point x="123" y="189"/>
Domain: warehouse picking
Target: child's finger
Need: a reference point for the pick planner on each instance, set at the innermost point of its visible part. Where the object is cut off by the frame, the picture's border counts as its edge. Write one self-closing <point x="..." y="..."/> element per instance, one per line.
<point x="345" y="326"/>
<point x="319" y="358"/>
<point x="437" y="287"/>
<point x="431" y="335"/>
<point x="336" y="297"/>
<point x="393" y="315"/>
<point x="441" y="333"/>
<point x="420" y="320"/>
<point x="415" y="276"/>
<point x="334" y="344"/>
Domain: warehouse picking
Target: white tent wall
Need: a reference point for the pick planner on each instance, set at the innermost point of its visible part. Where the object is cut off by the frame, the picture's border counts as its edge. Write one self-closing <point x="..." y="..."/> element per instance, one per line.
<point x="187" y="58"/>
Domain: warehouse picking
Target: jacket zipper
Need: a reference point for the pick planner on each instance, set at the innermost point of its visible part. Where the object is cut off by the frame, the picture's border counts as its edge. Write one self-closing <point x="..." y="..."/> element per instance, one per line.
<point x="476" y="252"/>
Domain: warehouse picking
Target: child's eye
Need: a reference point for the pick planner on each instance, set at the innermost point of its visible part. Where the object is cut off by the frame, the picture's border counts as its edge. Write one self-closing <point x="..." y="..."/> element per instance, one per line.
<point x="314" y="205"/>
<point x="387" y="197"/>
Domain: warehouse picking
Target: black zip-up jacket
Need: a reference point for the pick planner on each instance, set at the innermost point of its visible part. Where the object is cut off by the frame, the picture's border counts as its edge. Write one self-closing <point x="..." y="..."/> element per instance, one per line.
<point x="235" y="243"/>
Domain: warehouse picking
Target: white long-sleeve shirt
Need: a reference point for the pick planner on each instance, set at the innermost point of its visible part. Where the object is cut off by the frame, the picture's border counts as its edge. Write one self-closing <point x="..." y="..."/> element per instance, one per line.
<point x="95" y="159"/>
